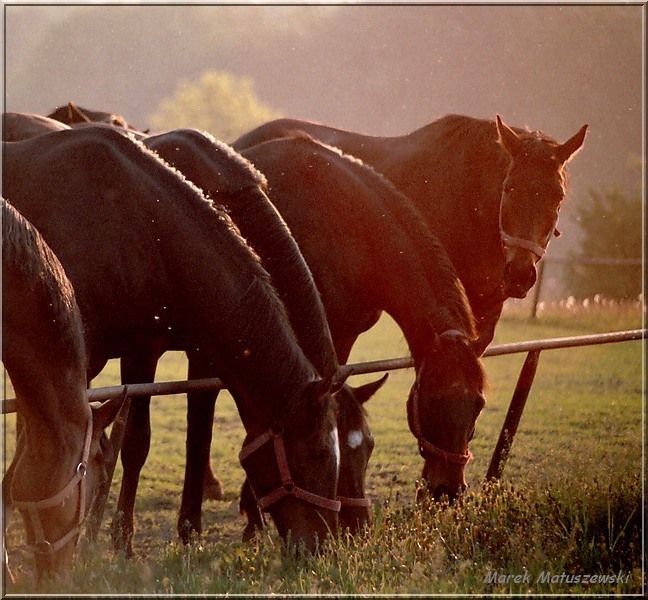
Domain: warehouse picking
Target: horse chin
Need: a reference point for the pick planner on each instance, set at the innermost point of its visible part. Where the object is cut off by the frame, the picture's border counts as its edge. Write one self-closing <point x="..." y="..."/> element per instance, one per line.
<point x="303" y="528"/>
<point x="441" y="485"/>
<point x="353" y="519"/>
<point x="513" y="290"/>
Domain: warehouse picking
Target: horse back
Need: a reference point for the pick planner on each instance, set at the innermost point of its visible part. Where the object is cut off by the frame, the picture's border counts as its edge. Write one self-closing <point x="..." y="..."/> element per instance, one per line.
<point x="21" y="126"/>
<point x="133" y="234"/>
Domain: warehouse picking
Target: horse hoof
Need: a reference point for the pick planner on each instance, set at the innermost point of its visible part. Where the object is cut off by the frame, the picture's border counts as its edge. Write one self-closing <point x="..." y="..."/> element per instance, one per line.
<point x="213" y="490"/>
<point x="249" y="533"/>
<point x="122" y="538"/>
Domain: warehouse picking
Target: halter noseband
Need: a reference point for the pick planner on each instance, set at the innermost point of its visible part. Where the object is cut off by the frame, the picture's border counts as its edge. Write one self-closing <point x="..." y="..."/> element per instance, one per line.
<point x="427" y="448"/>
<point x="41" y="545"/>
<point x="287" y="487"/>
<point x="512" y="241"/>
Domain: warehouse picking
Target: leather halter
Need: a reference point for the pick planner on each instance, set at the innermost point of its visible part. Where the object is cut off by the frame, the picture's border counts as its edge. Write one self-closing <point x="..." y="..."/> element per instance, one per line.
<point x="512" y="241"/>
<point x="41" y="545"/>
<point x="363" y="502"/>
<point x="427" y="448"/>
<point x="287" y="487"/>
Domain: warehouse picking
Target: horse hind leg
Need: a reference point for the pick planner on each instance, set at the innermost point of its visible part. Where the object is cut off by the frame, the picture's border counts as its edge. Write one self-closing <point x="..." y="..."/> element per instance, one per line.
<point x="200" y="418"/>
<point x="135" y="449"/>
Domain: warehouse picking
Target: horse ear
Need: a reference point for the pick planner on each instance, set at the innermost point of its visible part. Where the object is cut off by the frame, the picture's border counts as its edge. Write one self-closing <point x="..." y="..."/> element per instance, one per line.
<point x="339" y="378"/>
<point x="567" y="150"/>
<point x="76" y="115"/>
<point x="507" y="137"/>
<point x="317" y="389"/>
<point x="106" y="413"/>
<point x="363" y="392"/>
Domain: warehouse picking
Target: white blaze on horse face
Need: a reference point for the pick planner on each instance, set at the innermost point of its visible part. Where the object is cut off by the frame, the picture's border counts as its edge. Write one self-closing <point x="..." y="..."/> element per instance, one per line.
<point x="354" y="439"/>
<point x="336" y="447"/>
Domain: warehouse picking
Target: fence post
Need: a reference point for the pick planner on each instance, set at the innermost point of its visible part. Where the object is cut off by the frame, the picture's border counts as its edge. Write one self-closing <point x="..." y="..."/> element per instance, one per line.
<point x="536" y="289"/>
<point x="513" y="416"/>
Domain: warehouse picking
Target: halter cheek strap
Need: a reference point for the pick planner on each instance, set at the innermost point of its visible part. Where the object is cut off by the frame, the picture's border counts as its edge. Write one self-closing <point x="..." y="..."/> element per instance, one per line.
<point x="516" y="242"/>
<point x="426" y="448"/>
<point x="287" y="487"/>
<point x="41" y="544"/>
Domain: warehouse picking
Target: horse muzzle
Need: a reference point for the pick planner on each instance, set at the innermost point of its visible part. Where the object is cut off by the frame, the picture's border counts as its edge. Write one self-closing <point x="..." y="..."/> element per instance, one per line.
<point x="519" y="278"/>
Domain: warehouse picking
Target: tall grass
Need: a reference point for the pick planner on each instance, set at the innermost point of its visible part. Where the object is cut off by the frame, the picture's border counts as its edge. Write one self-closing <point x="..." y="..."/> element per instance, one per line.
<point x="568" y="508"/>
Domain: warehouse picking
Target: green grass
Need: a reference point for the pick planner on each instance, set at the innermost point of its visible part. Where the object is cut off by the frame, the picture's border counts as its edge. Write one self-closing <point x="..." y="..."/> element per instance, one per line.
<point x="569" y="500"/>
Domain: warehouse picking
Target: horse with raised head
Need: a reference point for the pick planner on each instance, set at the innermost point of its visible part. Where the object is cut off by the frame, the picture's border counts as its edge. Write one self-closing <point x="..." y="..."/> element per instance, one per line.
<point x="370" y="251"/>
<point x="155" y="265"/>
<point x="62" y="450"/>
<point x="472" y="179"/>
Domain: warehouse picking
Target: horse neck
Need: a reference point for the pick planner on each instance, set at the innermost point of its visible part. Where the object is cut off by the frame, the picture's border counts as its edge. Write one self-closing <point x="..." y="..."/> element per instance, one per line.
<point x="229" y="309"/>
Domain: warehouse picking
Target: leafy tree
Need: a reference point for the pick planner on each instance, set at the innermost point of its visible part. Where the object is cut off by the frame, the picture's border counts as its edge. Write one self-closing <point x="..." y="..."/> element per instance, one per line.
<point x="611" y="223"/>
<point x="220" y="103"/>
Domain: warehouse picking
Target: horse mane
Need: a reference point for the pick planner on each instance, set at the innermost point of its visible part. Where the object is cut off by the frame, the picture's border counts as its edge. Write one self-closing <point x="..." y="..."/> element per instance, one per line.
<point x="257" y="312"/>
<point x="451" y="306"/>
<point x="25" y="251"/>
<point x="256" y="175"/>
<point x="268" y="232"/>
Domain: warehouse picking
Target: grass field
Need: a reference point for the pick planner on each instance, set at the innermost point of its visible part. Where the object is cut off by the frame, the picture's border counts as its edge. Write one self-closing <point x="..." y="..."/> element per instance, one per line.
<point x="565" y="518"/>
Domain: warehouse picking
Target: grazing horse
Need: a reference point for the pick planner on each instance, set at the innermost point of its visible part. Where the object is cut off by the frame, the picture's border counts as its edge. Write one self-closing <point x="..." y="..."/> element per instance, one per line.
<point x="472" y="180"/>
<point x="233" y="182"/>
<point x="370" y="251"/>
<point x="62" y="450"/>
<point x="22" y="126"/>
<point x="156" y="265"/>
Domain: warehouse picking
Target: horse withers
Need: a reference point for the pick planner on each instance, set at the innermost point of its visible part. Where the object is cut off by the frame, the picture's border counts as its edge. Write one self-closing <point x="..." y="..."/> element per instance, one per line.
<point x="62" y="450"/>
<point x="472" y="179"/>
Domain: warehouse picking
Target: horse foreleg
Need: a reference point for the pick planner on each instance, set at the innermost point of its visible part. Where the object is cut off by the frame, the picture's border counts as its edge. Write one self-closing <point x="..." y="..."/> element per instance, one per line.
<point x="486" y="321"/>
<point x="248" y="507"/>
<point x="135" y="448"/>
<point x="200" y="418"/>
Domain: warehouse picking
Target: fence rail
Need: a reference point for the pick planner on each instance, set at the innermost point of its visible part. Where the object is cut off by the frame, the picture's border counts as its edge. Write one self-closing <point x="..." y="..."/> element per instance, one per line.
<point x="563" y="260"/>
<point x="390" y="364"/>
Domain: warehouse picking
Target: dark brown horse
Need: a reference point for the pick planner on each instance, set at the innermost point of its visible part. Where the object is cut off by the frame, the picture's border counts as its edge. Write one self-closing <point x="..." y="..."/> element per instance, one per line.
<point x="62" y="450"/>
<point x="370" y="251"/>
<point x="232" y="182"/>
<point x="472" y="180"/>
<point x="155" y="265"/>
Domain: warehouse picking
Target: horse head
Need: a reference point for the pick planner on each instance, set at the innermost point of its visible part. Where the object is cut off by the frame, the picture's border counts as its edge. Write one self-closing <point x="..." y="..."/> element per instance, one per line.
<point x="532" y="193"/>
<point x="356" y="446"/>
<point x="55" y="501"/>
<point x="293" y="468"/>
<point x="442" y="409"/>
